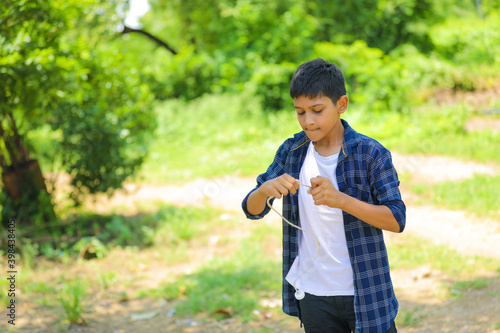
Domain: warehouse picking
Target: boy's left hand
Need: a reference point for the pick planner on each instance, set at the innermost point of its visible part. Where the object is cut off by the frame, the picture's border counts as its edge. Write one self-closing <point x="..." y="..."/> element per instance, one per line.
<point x="324" y="193"/>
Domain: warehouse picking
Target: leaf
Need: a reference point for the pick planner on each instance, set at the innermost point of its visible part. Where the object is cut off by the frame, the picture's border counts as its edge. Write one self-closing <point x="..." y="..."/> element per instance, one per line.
<point x="143" y="316"/>
<point x="224" y="311"/>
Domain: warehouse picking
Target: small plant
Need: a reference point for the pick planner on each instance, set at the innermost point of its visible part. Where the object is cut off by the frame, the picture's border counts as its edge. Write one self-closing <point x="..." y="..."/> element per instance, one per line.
<point x="89" y="248"/>
<point x="71" y="297"/>
<point x="48" y="251"/>
<point x="29" y="251"/>
<point x="108" y="279"/>
<point x="4" y="285"/>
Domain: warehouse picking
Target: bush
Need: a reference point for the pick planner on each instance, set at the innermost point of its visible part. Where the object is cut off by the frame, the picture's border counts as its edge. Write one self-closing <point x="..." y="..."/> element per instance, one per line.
<point x="271" y="83"/>
<point x="468" y="40"/>
<point x="373" y="79"/>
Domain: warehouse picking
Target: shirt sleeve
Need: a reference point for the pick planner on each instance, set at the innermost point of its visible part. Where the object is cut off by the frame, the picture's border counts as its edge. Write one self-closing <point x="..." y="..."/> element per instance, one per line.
<point x="276" y="169"/>
<point x="385" y="187"/>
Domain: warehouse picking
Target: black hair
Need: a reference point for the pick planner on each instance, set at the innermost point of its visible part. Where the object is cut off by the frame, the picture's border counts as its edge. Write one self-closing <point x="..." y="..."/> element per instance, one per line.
<point x="318" y="78"/>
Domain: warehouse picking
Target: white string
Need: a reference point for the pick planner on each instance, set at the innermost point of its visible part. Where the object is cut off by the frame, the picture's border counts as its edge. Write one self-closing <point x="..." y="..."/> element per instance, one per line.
<point x="295" y="226"/>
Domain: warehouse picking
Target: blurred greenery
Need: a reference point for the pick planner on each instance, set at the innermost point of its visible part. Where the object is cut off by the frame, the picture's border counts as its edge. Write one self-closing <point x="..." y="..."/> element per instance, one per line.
<point x="55" y="71"/>
<point x="232" y="135"/>
<point x="389" y="50"/>
<point x="87" y="92"/>
<point x="103" y="104"/>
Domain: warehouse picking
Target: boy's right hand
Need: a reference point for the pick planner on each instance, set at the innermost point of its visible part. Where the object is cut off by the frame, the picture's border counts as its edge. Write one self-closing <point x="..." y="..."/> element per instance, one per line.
<point x="280" y="186"/>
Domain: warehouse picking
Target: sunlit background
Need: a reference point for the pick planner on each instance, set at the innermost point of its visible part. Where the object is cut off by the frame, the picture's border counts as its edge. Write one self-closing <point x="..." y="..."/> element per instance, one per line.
<point x="131" y="131"/>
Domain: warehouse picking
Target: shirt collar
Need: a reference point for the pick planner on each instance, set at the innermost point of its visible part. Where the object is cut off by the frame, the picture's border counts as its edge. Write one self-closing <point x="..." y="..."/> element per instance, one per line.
<point x="300" y="140"/>
<point x="351" y="138"/>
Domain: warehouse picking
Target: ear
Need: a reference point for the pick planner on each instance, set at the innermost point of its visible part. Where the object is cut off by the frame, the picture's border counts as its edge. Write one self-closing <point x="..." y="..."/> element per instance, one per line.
<point x="342" y="104"/>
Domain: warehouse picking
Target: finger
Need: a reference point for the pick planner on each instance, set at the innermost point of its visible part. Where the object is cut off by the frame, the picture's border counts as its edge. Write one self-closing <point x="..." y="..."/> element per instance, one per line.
<point x="291" y="187"/>
<point x="315" y="189"/>
<point x="293" y="181"/>
<point x="281" y="189"/>
<point x="316" y="181"/>
<point x="289" y="183"/>
<point x="318" y="196"/>
<point x="274" y="193"/>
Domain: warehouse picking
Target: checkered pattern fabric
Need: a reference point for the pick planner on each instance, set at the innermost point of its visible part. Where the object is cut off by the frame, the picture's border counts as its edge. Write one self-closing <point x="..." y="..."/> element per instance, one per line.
<point x="364" y="171"/>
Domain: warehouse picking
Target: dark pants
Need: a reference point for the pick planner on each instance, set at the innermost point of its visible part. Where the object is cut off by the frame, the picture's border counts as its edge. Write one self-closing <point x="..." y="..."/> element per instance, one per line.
<point x="333" y="314"/>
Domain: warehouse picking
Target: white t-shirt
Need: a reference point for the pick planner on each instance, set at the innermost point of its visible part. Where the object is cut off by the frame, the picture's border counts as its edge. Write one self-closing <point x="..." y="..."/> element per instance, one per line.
<point x="331" y="274"/>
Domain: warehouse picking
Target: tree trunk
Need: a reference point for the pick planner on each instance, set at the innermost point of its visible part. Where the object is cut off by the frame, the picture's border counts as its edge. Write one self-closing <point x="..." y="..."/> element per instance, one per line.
<point x="27" y="197"/>
<point x="17" y="180"/>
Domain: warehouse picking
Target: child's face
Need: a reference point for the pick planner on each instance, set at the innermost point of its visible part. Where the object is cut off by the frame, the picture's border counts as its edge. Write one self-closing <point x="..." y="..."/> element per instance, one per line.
<point x="319" y="117"/>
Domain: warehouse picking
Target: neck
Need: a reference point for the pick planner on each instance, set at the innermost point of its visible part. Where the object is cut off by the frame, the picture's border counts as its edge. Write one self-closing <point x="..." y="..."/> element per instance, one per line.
<point x="336" y="138"/>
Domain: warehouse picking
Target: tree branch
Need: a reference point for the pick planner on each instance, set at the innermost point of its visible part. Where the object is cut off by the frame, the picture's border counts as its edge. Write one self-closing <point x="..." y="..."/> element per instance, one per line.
<point x="127" y="30"/>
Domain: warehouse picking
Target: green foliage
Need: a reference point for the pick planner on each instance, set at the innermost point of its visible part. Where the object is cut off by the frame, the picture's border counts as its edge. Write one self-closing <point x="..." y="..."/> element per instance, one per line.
<point x="227" y="44"/>
<point x="4" y="299"/>
<point x="271" y="82"/>
<point x="29" y="251"/>
<point x="71" y="297"/>
<point x="107" y="279"/>
<point x="53" y="71"/>
<point x="92" y="246"/>
<point x="276" y="30"/>
<point x="37" y="206"/>
<point x="105" y="128"/>
<point x="468" y="40"/>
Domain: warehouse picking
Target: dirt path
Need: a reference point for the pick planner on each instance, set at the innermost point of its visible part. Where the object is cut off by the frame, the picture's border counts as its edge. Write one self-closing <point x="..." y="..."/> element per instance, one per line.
<point x="461" y="231"/>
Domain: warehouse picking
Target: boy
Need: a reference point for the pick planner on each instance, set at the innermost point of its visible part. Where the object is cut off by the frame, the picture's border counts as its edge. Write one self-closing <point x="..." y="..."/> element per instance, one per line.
<point x="350" y="195"/>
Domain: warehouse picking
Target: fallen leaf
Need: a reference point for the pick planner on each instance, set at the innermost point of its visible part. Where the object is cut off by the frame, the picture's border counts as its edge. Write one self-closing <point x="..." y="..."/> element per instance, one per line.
<point x="225" y="312"/>
<point x="144" y="315"/>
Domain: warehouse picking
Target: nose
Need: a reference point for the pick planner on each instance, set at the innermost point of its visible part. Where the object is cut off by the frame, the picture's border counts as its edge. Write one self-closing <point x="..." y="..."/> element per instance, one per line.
<point x="309" y="121"/>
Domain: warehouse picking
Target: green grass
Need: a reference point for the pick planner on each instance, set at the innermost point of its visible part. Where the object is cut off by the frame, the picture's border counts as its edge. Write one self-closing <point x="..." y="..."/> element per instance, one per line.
<point x="430" y="130"/>
<point x="410" y="318"/>
<point x="458" y="288"/>
<point x="161" y="224"/>
<point x="217" y="135"/>
<point x="230" y="134"/>
<point x="479" y="195"/>
<point x="415" y="252"/>
<point x="214" y="136"/>
<point x="235" y="282"/>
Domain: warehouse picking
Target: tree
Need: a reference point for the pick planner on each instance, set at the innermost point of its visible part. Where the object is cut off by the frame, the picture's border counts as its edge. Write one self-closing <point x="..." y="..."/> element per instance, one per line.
<point x="53" y="72"/>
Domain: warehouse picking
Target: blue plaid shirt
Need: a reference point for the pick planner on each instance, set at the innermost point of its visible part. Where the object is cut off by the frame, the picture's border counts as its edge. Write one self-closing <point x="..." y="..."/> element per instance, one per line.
<point x="364" y="171"/>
